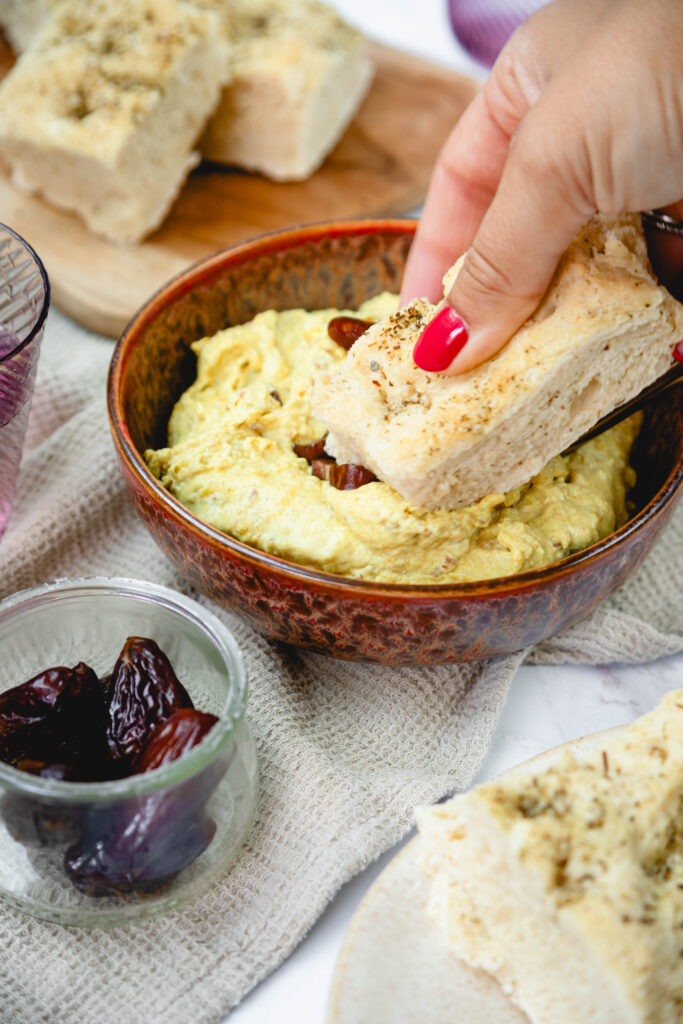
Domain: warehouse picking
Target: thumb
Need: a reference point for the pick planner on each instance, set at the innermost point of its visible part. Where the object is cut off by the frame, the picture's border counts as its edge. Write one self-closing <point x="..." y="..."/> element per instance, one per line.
<point x="533" y="217"/>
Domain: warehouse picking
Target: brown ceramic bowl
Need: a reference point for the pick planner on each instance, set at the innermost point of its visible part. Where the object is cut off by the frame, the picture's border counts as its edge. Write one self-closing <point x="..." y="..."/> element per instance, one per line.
<point x="341" y="264"/>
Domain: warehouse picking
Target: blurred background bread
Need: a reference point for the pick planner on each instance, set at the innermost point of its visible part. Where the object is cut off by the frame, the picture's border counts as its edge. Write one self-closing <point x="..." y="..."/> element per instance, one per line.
<point x="110" y="104"/>
<point x="100" y="114"/>
<point x="298" y="74"/>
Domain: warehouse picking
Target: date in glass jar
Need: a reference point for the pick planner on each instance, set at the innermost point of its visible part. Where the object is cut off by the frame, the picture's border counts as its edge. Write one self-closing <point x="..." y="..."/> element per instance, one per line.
<point x="105" y="853"/>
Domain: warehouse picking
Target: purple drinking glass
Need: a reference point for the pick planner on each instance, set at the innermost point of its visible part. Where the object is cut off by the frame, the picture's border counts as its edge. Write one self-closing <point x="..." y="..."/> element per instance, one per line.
<point x="484" y="26"/>
<point x="24" y="302"/>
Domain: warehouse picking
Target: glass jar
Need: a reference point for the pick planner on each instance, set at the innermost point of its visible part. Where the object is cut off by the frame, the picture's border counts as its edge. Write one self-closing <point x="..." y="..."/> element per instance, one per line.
<point x="173" y="830"/>
<point x="24" y="304"/>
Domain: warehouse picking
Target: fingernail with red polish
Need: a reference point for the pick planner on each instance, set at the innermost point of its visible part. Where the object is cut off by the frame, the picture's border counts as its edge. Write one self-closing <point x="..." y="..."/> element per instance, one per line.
<point x="678" y="351"/>
<point x="441" y="340"/>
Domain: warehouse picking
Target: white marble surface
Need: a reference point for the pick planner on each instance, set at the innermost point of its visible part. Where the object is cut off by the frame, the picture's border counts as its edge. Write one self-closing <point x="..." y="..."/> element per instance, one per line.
<point x="546" y="706"/>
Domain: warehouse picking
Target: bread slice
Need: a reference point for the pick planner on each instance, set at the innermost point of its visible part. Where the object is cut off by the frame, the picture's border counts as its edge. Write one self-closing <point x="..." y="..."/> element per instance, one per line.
<point x="100" y="114"/>
<point x="299" y="73"/>
<point x="21" y="19"/>
<point x="566" y="883"/>
<point x="604" y="330"/>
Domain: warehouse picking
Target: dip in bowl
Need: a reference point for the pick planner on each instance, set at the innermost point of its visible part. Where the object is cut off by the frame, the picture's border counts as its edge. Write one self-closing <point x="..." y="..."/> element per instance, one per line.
<point x="341" y="265"/>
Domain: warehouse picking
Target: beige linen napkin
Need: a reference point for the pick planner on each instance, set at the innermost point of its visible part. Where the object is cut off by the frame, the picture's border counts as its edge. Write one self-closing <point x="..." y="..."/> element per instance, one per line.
<point x="346" y="750"/>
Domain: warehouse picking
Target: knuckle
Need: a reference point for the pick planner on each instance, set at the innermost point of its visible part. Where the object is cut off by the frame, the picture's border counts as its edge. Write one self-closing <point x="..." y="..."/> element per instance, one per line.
<point x="483" y="276"/>
<point x="508" y="94"/>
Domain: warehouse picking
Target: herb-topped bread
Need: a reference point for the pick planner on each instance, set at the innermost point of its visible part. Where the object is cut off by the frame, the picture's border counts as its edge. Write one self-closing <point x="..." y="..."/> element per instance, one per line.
<point x="299" y="73"/>
<point x="604" y="330"/>
<point x="101" y="113"/>
<point x="566" y="882"/>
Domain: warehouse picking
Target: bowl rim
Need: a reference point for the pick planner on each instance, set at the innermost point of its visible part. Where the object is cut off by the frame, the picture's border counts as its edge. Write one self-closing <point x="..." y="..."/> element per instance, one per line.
<point x="290" y="238"/>
<point x="183" y="768"/>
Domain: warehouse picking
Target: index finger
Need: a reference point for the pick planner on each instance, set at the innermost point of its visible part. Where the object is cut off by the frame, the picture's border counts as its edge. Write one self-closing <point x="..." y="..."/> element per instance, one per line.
<point x="463" y="184"/>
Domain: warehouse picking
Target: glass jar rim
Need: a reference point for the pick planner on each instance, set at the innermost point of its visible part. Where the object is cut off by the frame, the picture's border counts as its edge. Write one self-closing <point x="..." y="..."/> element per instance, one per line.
<point x="186" y="766"/>
<point x="42" y="316"/>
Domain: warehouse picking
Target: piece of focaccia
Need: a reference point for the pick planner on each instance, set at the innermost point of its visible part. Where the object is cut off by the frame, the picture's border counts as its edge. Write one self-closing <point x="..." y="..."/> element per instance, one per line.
<point x="566" y="883"/>
<point x="100" y="114"/>
<point x="603" y="331"/>
<point x="299" y="73"/>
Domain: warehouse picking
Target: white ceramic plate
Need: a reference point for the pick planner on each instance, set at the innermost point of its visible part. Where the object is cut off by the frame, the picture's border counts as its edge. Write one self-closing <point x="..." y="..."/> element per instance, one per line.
<point x="394" y="967"/>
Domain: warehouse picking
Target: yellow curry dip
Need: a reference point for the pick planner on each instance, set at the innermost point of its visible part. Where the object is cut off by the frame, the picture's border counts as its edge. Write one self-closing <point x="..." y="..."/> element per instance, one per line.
<point x="230" y="461"/>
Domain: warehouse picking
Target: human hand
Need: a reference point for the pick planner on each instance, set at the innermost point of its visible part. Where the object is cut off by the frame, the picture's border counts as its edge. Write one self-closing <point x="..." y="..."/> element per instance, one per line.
<point x="582" y="113"/>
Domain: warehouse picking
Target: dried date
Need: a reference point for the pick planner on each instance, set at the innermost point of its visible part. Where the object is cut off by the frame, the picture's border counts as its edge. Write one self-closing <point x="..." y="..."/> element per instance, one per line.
<point x="53" y="725"/>
<point x="346" y="330"/>
<point x="146" y="850"/>
<point x="40" y="823"/>
<point x="143" y="692"/>
<point x="310" y="451"/>
<point x="143" y="844"/>
<point x="345" y="477"/>
<point x="173" y="738"/>
<point x="25" y="709"/>
<point x="79" y="730"/>
<point x="68" y="725"/>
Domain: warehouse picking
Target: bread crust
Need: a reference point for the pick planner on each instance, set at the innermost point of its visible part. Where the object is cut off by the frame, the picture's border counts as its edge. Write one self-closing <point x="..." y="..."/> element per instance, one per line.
<point x="604" y="330"/>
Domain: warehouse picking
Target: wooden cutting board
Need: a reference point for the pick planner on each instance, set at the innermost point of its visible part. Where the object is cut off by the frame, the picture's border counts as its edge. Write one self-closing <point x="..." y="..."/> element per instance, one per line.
<point x="381" y="166"/>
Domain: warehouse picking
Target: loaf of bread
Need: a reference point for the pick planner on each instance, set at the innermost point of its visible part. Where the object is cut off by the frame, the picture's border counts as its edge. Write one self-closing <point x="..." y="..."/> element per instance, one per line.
<point x="604" y="330"/>
<point x="566" y="883"/>
<point x="21" y="19"/>
<point x="101" y="113"/>
<point x="298" y="75"/>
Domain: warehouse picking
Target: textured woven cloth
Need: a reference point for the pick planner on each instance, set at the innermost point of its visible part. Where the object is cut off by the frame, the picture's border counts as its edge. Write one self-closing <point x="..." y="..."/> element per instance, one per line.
<point x="346" y="750"/>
